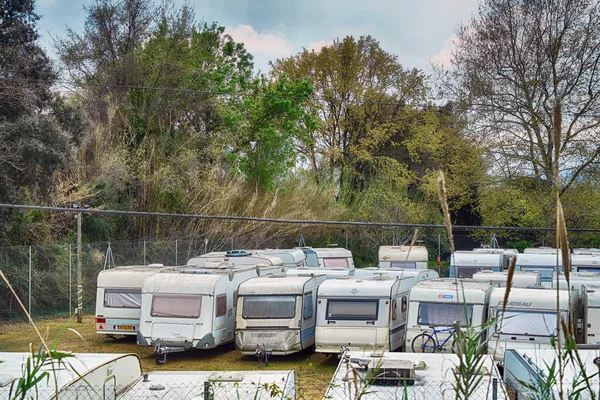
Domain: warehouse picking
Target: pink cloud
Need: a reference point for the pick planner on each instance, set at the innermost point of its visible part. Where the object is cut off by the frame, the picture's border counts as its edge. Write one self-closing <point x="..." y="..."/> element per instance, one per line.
<point x="268" y="44"/>
<point x="318" y="45"/>
<point x="444" y="57"/>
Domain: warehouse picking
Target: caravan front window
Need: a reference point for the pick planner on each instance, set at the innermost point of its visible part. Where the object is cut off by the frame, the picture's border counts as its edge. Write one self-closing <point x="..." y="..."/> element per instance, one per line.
<point x="335" y="262"/>
<point x="530" y="323"/>
<point x="352" y="310"/>
<point x="269" y="307"/>
<point x="122" y="298"/>
<point x="174" y="306"/>
<point x="400" y="264"/>
<point x="444" y="314"/>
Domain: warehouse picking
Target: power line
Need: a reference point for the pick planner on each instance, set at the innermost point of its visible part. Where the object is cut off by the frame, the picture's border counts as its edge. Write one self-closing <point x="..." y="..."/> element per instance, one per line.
<point x="285" y="221"/>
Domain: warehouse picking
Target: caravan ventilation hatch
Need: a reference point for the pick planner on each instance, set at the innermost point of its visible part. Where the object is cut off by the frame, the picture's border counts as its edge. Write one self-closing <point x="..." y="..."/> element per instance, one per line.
<point x="392" y="372"/>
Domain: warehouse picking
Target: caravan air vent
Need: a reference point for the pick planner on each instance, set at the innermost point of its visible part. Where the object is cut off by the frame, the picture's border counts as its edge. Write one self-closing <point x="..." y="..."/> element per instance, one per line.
<point x="237" y="253"/>
<point x="392" y="372"/>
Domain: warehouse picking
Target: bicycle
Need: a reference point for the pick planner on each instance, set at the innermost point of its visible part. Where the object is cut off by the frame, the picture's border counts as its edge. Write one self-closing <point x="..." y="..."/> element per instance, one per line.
<point x="429" y="343"/>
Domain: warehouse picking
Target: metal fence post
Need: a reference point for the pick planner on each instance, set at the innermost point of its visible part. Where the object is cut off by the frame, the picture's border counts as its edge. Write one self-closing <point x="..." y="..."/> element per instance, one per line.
<point x="29" y="280"/>
<point x="144" y="252"/>
<point x="207" y="395"/>
<point x="495" y="388"/>
<point x="70" y="282"/>
<point x="176" y="261"/>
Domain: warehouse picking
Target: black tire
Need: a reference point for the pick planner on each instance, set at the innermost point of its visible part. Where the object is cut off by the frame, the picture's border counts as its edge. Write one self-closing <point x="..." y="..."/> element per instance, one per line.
<point x="453" y="348"/>
<point x="424" y="343"/>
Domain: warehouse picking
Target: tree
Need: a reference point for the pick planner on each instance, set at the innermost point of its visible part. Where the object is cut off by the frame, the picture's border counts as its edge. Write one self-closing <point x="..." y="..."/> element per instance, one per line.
<point x="359" y="89"/>
<point x="511" y="64"/>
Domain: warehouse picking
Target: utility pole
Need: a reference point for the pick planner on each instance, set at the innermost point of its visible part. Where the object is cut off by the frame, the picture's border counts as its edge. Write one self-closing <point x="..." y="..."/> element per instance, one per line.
<point x="79" y="275"/>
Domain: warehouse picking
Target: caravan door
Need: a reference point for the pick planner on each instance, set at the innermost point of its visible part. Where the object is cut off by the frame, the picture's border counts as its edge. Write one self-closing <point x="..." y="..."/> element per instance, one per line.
<point x="308" y="318"/>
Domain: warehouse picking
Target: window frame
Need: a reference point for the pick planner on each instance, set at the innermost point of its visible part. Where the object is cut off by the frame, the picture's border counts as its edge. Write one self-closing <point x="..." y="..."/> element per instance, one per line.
<point x="293" y="296"/>
<point x="308" y="298"/>
<point x="328" y="317"/>
<point x="463" y="324"/>
<point x="178" y="297"/>
<point x="220" y="305"/>
<point x="117" y="290"/>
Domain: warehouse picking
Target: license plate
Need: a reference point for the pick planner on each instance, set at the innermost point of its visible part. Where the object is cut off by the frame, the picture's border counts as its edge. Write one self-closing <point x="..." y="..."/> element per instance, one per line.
<point x="125" y="327"/>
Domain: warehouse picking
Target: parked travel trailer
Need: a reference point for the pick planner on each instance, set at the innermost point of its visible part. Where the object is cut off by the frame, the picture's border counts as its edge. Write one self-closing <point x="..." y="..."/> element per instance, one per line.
<point x="235" y="257"/>
<point x="585" y="262"/>
<point x="507" y="254"/>
<point x="292" y="258"/>
<point x="329" y="257"/>
<point x="526" y="372"/>
<point x="463" y="264"/>
<point x="591" y="313"/>
<point x="414" y="376"/>
<point x="214" y="385"/>
<point x="529" y="319"/>
<point x="405" y="257"/>
<point x="521" y="279"/>
<point x="83" y="376"/>
<point x="439" y="303"/>
<point x="193" y="307"/>
<point x="329" y="273"/>
<point x="540" y="250"/>
<point x="119" y="297"/>
<point x="544" y="263"/>
<point x="362" y="312"/>
<point x="418" y="274"/>
<point x="277" y="314"/>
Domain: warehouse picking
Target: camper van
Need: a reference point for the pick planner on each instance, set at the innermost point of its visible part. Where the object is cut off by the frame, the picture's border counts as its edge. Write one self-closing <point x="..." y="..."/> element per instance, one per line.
<point x="372" y="375"/>
<point x="585" y="262"/>
<point x="463" y="264"/>
<point x="193" y="307"/>
<point x="527" y="374"/>
<point x="437" y="304"/>
<point x="329" y="257"/>
<point x="119" y="297"/>
<point x="277" y="314"/>
<point x="418" y="274"/>
<point x="591" y="313"/>
<point x="529" y="319"/>
<point x="362" y="312"/>
<point x="235" y="257"/>
<point x="82" y="376"/>
<point x="405" y="257"/>
<point x="519" y="279"/>
<point x="543" y="262"/>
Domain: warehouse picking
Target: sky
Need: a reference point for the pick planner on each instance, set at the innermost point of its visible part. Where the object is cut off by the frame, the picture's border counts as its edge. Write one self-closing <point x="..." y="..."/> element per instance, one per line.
<point x="419" y="32"/>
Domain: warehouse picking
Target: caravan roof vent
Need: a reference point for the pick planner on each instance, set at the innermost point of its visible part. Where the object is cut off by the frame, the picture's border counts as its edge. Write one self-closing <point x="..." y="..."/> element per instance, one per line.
<point x="237" y="253"/>
<point x="392" y="372"/>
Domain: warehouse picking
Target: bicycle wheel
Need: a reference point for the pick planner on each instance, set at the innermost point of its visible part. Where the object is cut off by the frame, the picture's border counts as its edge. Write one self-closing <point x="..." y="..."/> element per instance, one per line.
<point x="453" y="348"/>
<point x="424" y="343"/>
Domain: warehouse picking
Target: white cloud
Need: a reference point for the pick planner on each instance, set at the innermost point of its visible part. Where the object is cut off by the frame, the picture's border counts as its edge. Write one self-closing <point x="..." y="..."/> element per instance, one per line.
<point x="318" y="45"/>
<point x="269" y="44"/>
<point x="444" y="57"/>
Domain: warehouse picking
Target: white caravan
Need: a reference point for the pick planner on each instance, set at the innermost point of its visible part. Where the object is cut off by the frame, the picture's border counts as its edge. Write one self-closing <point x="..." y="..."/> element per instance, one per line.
<point x="214" y="385"/>
<point x="507" y="254"/>
<point x="329" y="273"/>
<point x="376" y="376"/>
<point x="521" y="279"/>
<point x="193" y="307"/>
<point x="591" y="313"/>
<point x="540" y="250"/>
<point x="582" y="261"/>
<point x="329" y="257"/>
<point x="292" y="258"/>
<point x="119" y="297"/>
<point x="527" y="373"/>
<point x="529" y="319"/>
<point x="440" y="303"/>
<point x="543" y="262"/>
<point x="418" y="274"/>
<point x="362" y="313"/>
<point x="83" y="376"/>
<point x="463" y="264"/>
<point x="235" y="257"/>
<point x="277" y="314"/>
<point x="407" y="257"/>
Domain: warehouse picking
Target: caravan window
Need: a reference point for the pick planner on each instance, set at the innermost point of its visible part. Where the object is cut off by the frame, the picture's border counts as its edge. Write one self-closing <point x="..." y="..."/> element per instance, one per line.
<point x="546" y="272"/>
<point x="444" y="314"/>
<point x="174" y="306"/>
<point x="269" y="307"/>
<point x="122" y="298"/>
<point x="352" y="310"/>
<point x="530" y="323"/>
<point x="335" y="262"/>
<point x="221" y="305"/>
<point x="308" y="305"/>
<point x="400" y="264"/>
